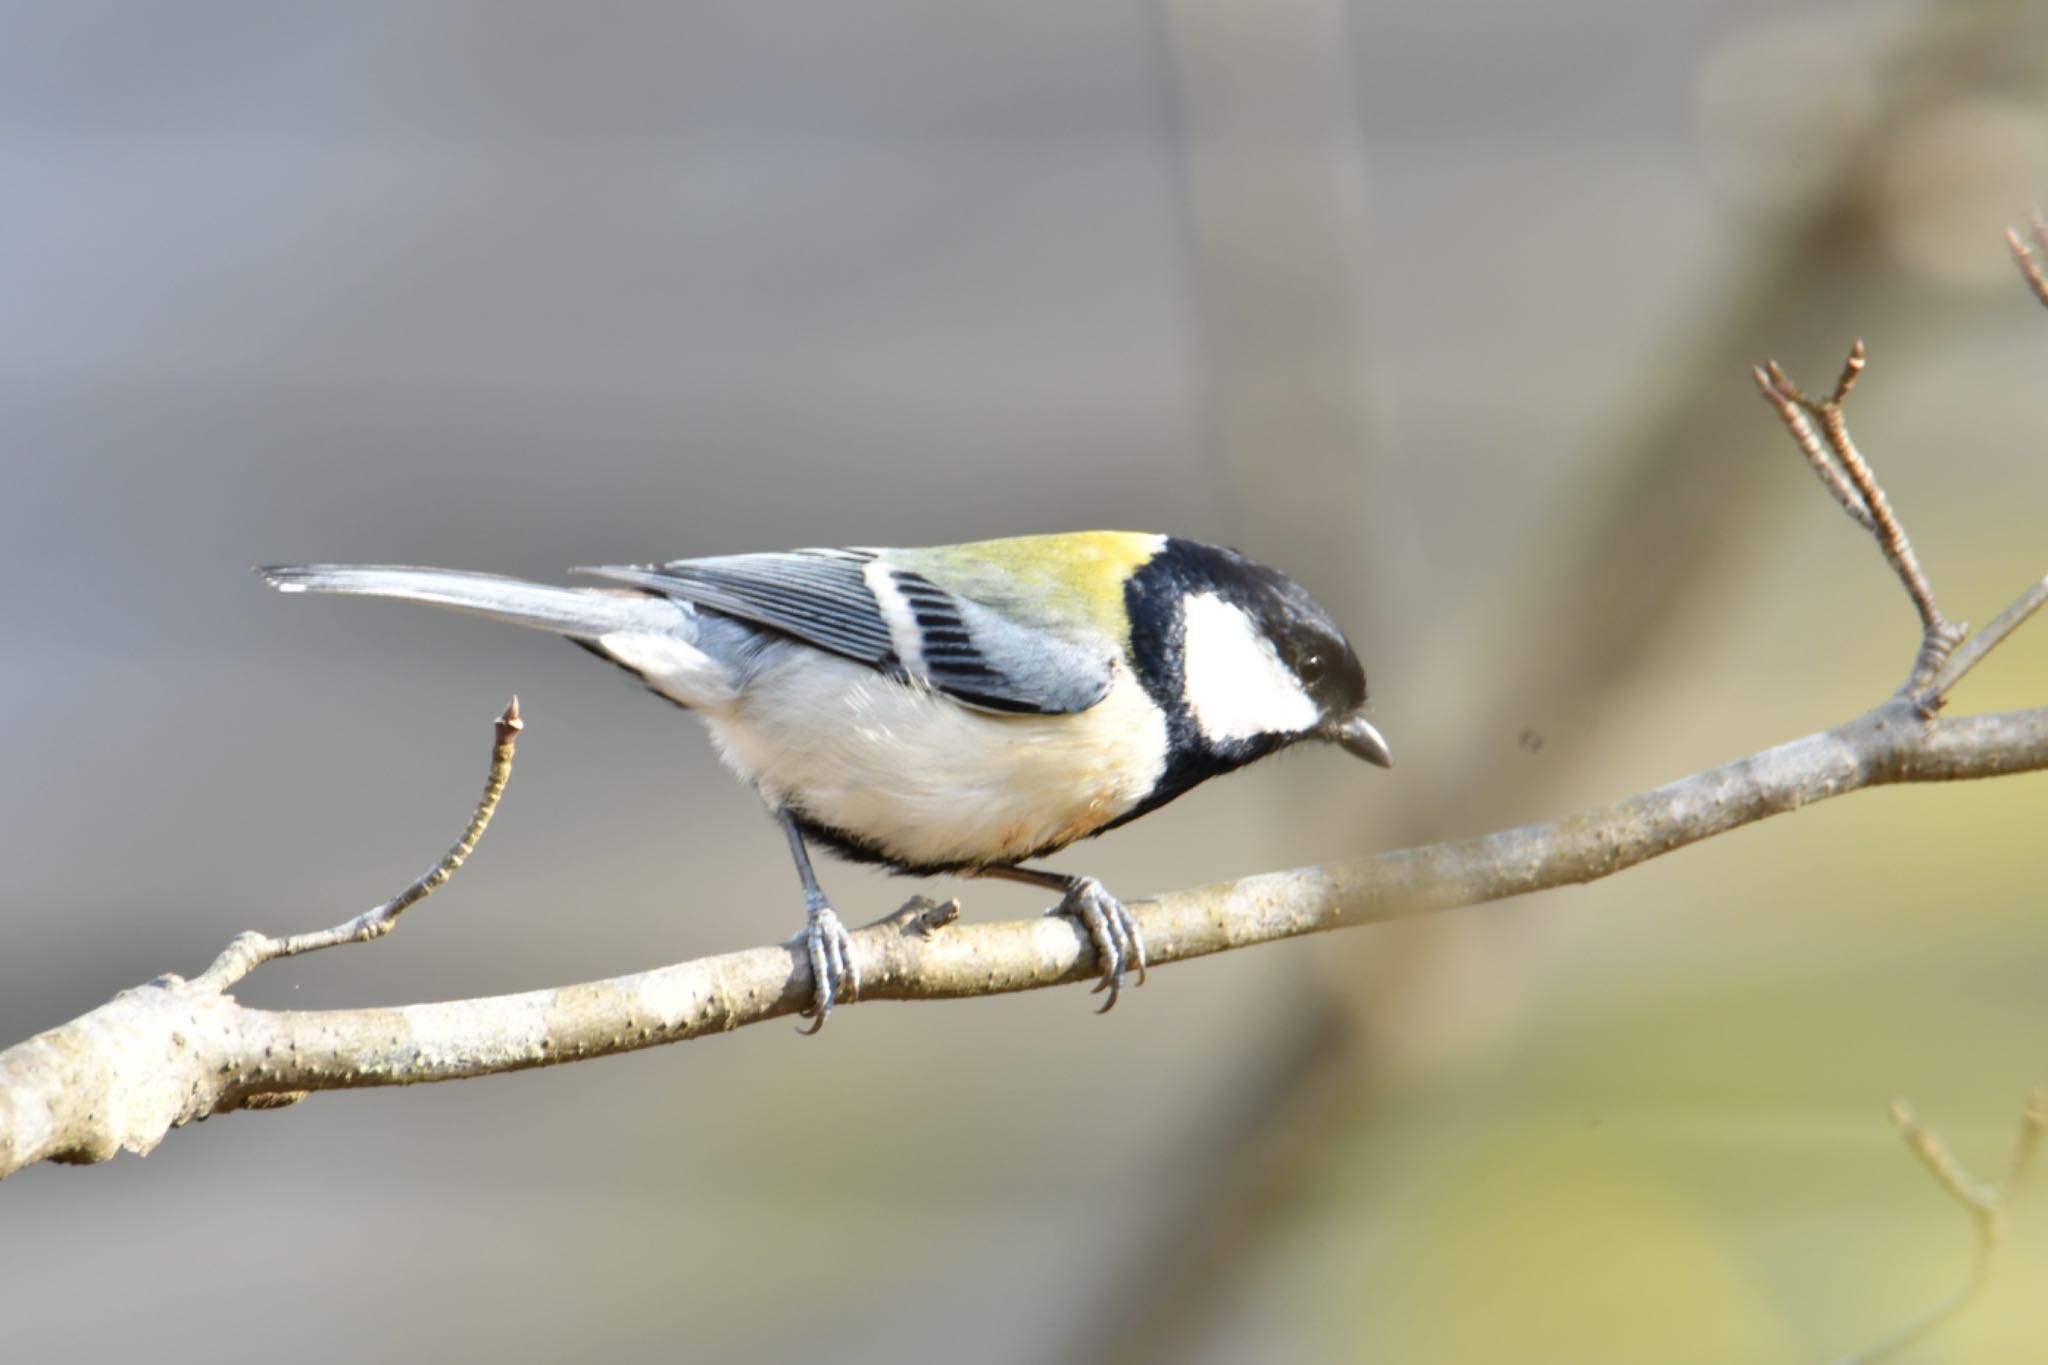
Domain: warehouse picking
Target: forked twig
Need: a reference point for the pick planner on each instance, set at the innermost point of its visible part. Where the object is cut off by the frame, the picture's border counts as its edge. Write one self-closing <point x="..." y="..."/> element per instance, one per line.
<point x="1987" y="1206"/>
<point x="1792" y="407"/>
<point x="1845" y="473"/>
<point x="251" y="950"/>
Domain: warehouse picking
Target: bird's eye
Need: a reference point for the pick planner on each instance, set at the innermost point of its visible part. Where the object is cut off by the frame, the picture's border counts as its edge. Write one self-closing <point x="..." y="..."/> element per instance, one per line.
<point x="1313" y="668"/>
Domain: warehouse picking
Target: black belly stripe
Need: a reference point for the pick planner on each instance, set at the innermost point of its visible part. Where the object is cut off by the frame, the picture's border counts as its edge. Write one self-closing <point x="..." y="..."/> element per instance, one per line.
<point x="859" y="848"/>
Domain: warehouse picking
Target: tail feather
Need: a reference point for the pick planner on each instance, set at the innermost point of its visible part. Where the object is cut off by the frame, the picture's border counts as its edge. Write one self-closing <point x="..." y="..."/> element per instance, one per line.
<point x="581" y="613"/>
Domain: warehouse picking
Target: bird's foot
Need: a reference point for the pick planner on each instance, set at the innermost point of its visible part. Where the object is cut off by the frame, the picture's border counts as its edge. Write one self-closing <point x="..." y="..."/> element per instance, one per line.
<point x="1119" y="944"/>
<point x="834" y="977"/>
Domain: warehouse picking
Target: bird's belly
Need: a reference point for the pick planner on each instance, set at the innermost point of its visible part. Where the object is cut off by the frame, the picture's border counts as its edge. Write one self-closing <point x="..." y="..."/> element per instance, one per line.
<point x="926" y="782"/>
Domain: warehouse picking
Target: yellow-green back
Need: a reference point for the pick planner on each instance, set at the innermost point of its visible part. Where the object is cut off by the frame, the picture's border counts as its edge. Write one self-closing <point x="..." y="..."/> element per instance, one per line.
<point x="1049" y="582"/>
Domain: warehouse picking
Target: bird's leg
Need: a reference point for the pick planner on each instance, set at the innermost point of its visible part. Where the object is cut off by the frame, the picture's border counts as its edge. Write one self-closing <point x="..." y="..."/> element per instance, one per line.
<point x="1119" y="944"/>
<point x="834" y="976"/>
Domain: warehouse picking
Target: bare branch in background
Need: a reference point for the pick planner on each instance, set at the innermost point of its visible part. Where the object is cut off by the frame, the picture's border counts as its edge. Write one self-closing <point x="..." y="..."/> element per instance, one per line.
<point x="1986" y="1204"/>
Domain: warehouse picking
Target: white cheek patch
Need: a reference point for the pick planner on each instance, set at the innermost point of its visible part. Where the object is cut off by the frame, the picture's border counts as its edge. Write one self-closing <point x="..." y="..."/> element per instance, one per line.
<point x="1235" y="684"/>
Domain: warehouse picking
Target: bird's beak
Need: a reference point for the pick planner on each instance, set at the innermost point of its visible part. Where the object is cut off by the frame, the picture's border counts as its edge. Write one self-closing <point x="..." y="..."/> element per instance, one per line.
<point x="1356" y="736"/>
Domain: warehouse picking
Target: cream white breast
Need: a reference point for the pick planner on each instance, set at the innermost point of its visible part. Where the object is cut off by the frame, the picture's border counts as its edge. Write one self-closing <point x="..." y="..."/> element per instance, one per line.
<point x="926" y="781"/>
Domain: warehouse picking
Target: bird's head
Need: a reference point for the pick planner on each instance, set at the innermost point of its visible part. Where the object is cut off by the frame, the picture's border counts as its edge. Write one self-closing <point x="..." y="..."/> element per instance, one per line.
<point x="1262" y="665"/>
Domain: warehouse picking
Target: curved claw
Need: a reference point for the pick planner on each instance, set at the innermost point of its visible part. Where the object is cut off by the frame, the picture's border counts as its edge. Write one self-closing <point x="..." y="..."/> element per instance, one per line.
<point x="1119" y="943"/>
<point x="834" y="977"/>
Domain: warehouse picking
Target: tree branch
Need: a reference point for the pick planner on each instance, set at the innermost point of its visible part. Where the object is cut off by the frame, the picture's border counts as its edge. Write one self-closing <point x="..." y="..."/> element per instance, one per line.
<point x="174" y="1051"/>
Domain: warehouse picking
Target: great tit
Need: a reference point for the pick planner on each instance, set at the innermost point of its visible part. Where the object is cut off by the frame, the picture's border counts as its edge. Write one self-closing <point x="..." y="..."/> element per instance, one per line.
<point x="962" y="708"/>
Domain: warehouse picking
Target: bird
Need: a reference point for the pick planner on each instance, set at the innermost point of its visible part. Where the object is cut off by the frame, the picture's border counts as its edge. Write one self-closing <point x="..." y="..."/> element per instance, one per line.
<point x="959" y="709"/>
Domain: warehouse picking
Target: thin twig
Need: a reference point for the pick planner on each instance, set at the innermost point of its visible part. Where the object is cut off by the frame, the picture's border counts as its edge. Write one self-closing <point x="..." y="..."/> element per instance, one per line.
<point x="251" y="950"/>
<point x="1782" y="394"/>
<point x="2033" y="1123"/>
<point x="1986" y="1205"/>
<point x="1973" y="650"/>
<point x="1841" y="467"/>
<point x="2028" y="259"/>
<point x="1852" y="369"/>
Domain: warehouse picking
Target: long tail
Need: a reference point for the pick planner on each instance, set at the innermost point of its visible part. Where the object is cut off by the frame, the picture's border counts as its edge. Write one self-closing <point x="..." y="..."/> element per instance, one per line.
<point x="583" y="613"/>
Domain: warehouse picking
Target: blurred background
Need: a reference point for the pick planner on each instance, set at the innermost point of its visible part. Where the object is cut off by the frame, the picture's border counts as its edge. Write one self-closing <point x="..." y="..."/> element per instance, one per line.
<point x="1446" y="308"/>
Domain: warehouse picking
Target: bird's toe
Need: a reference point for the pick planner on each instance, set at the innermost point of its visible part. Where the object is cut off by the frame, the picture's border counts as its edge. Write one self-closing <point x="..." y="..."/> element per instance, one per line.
<point x="1119" y="943"/>
<point x="834" y="976"/>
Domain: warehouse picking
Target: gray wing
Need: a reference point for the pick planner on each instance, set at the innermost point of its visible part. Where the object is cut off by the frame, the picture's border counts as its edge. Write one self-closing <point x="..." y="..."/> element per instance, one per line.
<point x="855" y="604"/>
